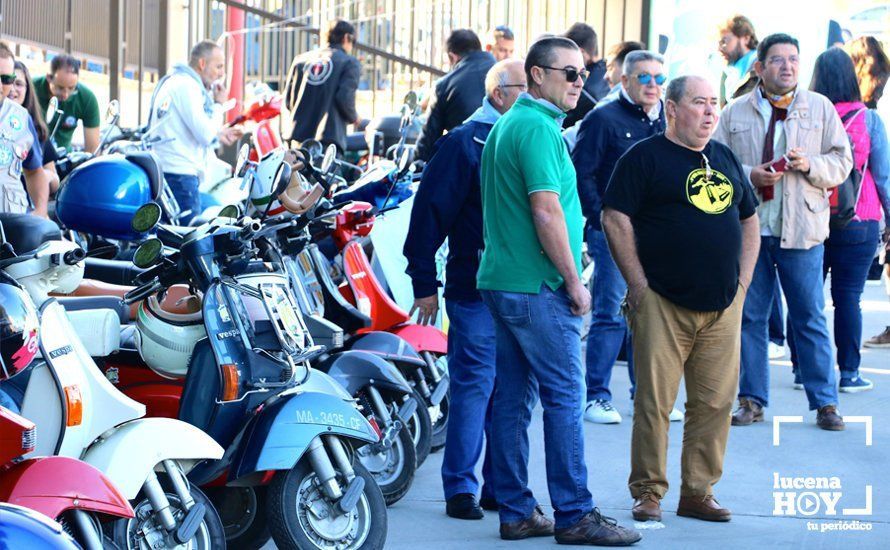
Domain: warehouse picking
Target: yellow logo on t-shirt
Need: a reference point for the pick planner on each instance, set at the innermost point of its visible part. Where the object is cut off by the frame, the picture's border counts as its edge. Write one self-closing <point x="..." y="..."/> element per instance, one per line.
<point x="710" y="191"/>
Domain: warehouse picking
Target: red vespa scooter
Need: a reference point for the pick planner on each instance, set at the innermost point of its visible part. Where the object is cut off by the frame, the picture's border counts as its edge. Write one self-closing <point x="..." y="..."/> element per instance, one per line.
<point x="72" y="492"/>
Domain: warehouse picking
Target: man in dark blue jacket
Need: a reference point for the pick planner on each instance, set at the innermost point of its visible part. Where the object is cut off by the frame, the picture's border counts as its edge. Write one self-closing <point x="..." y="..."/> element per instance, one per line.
<point x="606" y="133"/>
<point x="448" y="204"/>
<point x="458" y="93"/>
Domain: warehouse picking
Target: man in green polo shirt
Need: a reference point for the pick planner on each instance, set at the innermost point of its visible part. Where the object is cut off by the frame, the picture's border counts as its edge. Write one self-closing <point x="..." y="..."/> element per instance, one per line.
<point x="529" y="278"/>
<point x="76" y="102"/>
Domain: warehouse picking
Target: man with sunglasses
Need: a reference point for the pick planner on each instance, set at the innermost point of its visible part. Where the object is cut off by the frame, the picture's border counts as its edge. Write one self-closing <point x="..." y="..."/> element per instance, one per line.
<point x="605" y="134"/>
<point x="20" y="151"/>
<point x="76" y="102"/>
<point x="680" y="220"/>
<point x="447" y="204"/>
<point x="529" y="278"/>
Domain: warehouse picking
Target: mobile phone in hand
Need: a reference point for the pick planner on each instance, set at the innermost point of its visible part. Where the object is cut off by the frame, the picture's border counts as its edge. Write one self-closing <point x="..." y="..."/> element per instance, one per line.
<point x="778" y="165"/>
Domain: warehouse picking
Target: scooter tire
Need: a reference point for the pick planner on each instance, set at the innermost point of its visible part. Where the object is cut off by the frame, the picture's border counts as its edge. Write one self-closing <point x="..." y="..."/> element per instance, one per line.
<point x="289" y="531"/>
<point x="440" y="428"/>
<point x="256" y="535"/>
<point x="394" y="490"/>
<point x="421" y="421"/>
<point x="216" y="534"/>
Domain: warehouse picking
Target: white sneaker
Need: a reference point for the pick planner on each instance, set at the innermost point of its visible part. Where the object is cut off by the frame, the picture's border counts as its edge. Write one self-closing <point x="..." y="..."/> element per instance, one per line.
<point x="775" y="351"/>
<point x="600" y="411"/>
<point x="676" y="415"/>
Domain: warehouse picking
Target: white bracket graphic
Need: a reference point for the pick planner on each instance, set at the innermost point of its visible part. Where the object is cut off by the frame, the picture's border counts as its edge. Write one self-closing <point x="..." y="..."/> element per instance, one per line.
<point x="778" y="420"/>
<point x="861" y="420"/>
<point x="861" y="511"/>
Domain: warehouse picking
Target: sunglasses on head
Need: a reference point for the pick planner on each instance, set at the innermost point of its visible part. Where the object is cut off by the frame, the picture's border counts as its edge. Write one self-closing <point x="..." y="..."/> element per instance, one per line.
<point x="7" y="79"/>
<point x="572" y="74"/>
<point x="646" y="78"/>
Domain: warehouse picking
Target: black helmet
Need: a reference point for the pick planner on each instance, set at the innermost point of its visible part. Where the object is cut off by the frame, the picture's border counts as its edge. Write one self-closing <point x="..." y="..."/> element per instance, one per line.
<point x="19" y="330"/>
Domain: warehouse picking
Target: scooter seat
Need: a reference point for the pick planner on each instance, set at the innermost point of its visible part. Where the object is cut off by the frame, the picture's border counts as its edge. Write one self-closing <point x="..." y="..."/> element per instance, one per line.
<point x="26" y="232"/>
<point x="116" y="272"/>
<point x="98" y="330"/>
<point x="74" y="304"/>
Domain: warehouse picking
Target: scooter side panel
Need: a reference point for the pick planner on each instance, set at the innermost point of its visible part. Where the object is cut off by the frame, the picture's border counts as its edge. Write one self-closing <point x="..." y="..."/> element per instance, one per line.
<point x="385" y="313"/>
<point x="130" y="452"/>
<point x="285" y="428"/>
<point x="357" y="369"/>
<point x="51" y="485"/>
<point x="423" y="337"/>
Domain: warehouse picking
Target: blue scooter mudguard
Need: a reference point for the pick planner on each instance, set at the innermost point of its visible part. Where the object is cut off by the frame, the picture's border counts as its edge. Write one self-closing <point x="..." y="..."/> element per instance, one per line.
<point x="283" y="430"/>
<point x="356" y="369"/>
<point x="388" y="346"/>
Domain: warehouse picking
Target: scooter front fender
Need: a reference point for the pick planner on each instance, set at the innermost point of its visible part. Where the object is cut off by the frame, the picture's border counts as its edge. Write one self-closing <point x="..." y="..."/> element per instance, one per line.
<point x="356" y="369"/>
<point x="127" y="454"/>
<point x="284" y="429"/>
<point x="388" y="346"/>
<point x="55" y="484"/>
<point x="423" y="338"/>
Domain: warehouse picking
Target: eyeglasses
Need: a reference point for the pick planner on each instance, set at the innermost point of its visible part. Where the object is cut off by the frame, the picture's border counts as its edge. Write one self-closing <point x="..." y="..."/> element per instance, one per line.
<point x="572" y="74"/>
<point x="7" y="79"/>
<point x="646" y="78"/>
<point x="780" y="61"/>
<point x="523" y="86"/>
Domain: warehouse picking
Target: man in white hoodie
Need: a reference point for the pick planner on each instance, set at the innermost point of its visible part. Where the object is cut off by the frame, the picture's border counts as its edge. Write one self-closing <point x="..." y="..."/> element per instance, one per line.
<point x="187" y="116"/>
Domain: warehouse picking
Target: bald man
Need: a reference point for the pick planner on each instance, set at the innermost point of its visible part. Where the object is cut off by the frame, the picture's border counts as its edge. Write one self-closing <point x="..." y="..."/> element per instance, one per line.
<point x="449" y="191"/>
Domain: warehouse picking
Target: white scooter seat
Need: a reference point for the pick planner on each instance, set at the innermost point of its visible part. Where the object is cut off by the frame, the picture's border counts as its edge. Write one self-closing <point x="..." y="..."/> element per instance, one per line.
<point x="98" y="329"/>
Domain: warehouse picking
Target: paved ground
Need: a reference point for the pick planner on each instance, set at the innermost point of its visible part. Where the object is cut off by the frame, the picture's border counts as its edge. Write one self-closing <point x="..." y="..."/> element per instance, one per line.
<point x="419" y="521"/>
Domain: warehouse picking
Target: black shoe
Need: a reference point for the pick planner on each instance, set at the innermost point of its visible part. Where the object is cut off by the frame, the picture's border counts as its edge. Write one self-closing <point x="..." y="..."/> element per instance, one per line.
<point x="463" y="506"/>
<point x="594" y="529"/>
<point x="489" y="504"/>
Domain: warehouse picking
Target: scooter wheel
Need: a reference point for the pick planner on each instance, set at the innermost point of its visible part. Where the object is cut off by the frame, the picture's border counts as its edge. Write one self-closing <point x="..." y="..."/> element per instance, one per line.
<point x="440" y="425"/>
<point x="421" y="428"/>
<point x="244" y="514"/>
<point x="302" y="516"/>
<point x="393" y="468"/>
<point x="145" y="528"/>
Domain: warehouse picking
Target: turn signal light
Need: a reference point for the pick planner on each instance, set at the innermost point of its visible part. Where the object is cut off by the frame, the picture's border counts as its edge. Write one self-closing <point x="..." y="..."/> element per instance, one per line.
<point x="230" y="382"/>
<point x="74" y="403"/>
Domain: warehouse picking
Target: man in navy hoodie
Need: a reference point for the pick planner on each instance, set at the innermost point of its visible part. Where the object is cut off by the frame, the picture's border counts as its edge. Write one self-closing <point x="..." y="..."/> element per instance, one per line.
<point x="605" y="135"/>
<point x="448" y="204"/>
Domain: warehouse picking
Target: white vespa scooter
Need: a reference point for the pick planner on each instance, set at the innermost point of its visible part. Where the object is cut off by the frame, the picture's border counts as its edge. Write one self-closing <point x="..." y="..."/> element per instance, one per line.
<point x="81" y="414"/>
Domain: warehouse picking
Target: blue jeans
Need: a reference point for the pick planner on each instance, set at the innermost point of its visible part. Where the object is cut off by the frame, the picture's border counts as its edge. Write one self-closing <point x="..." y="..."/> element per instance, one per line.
<point x="776" y="318"/>
<point x="608" y="329"/>
<point x="537" y="336"/>
<point x="185" y="189"/>
<point x="471" y="366"/>
<point x="848" y="255"/>
<point x="799" y="271"/>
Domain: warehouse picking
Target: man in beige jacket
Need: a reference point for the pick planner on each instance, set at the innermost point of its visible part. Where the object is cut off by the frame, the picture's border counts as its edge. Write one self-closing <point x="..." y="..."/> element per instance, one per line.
<point x="794" y="149"/>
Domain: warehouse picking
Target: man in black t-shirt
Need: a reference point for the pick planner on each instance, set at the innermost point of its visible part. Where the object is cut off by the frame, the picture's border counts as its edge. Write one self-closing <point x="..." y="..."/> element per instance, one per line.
<point x="679" y="218"/>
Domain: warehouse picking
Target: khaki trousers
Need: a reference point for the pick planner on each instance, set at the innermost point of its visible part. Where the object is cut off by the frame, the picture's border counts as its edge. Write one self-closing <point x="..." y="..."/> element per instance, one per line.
<point x="669" y="342"/>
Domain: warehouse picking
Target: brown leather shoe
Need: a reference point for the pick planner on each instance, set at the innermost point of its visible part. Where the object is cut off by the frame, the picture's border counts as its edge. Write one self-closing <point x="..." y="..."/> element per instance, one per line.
<point x="536" y="525"/>
<point x="829" y="419"/>
<point x="594" y="529"/>
<point x="706" y="508"/>
<point x="647" y="507"/>
<point x="748" y="413"/>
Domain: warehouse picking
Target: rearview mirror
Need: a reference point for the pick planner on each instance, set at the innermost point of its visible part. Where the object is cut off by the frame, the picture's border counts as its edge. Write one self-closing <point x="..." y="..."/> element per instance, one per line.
<point x="330" y="155"/>
<point x="52" y="108"/>
<point x="405" y="159"/>
<point x="282" y="178"/>
<point x="411" y="100"/>
<point x="230" y="211"/>
<point x="148" y="253"/>
<point x="114" y="109"/>
<point x="148" y="215"/>
<point x="241" y="164"/>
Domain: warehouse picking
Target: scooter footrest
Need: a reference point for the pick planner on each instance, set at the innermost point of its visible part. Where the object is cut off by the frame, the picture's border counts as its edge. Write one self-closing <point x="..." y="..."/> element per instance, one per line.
<point x="440" y="391"/>
<point x="190" y="524"/>
<point x="353" y="493"/>
<point x="408" y="409"/>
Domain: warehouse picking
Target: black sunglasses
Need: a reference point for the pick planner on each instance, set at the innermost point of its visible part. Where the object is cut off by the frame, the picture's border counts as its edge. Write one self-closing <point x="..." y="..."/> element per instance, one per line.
<point x="7" y="79"/>
<point x="572" y="73"/>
